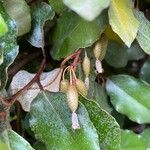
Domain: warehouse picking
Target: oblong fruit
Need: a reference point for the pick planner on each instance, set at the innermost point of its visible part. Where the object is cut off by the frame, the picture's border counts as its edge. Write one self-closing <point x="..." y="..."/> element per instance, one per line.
<point x="100" y="47"/>
<point x="64" y="84"/>
<point x="81" y="87"/>
<point x="72" y="98"/>
<point x="104" y="41"/>
<point x="97" y="49"/>
<point x="86" y="65"/>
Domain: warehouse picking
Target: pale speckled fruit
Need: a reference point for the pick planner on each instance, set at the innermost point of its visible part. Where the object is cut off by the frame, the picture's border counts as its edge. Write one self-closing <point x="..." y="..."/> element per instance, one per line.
<point x="86" y="66"/>
<point x="100" y="47"/>
<point x="97" y="49"/>
<point x="64" y="85"/>
<point x="81" y="87"/>
<point x="72" y="98"/>
<point x="104" y="41"/>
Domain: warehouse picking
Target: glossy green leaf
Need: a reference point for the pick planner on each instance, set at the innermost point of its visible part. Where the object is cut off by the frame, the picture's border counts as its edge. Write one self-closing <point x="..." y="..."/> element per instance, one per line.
<point x="143" y="36"/>
<point x="122" y="20"/>
<point x="3" y="26"/>
<point x="88" y="9"/>
<point x="132" y="141"/>
<point x="135" y="52"/>
<point x="98" y="94"/>
<point x="20" y="12"/>
<point x="8" y="49"/>
<point x="146" y="135"/>
<point x="57" y="5"/>
<point x="116" y="55"/>
<point x="41" y="12"/>
<point x="50" y="120"/>
<point x="13" y="141"/>
<point x="72" y="33"/>
<point x="145" y="71"/>
<point x="130" y="96"/>
<point x="107" y="127"/>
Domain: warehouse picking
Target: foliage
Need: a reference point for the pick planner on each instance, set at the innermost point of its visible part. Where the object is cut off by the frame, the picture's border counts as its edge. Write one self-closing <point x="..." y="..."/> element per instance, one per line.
<point x="74" y="75"/>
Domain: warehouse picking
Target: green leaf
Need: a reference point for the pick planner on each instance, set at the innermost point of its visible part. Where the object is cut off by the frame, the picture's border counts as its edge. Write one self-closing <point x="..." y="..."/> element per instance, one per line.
<point x="39" y="146"/>
<point x="116" y="54"/>
<point x="8" y="49"/>
<point x="107" y="128"/>
<point x="122" y="20"/>
<point x="72" y="33"/>
<point x="3" y="25"/>
<point x="20" y="12"/>
<point x="98" y="94"/>
<point x="13" y="141"/>
<point x="143" y="36"/>
<point x="135" y="52"/>
<point x="145" y="71"/>
<point x="146" y="135"/>
<point x="88" y="9"/>
<point x="130" y="96"/>
<point x="41" y="12"/>
<point x="50" y="120"/>
<point x="132" y="141"/>
<point x="57" y="5"/>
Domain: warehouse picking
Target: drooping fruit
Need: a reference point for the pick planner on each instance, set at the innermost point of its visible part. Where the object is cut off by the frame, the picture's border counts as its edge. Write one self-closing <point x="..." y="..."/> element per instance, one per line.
<point x="64" y="85"/>
<point x="81" y="87"/>
<point x="100" y="47"/>
<point x="72" y="98"/>
<point x="86" y="65"/>
<point x="72" y="101"/>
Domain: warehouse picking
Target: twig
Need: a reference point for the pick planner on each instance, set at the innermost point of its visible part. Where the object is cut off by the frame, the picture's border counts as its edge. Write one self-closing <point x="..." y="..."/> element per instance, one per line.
<point x="36" y="77"/>
<point x="12" y="71"/>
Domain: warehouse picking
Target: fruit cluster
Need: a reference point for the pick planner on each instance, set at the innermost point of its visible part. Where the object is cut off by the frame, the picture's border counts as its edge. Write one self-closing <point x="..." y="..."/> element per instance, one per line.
<point x="74" y="86"/>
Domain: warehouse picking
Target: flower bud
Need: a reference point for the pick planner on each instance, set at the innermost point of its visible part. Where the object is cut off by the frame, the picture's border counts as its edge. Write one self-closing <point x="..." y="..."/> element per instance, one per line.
<point x="81" y="87"/>
<point x="64" y="85"/>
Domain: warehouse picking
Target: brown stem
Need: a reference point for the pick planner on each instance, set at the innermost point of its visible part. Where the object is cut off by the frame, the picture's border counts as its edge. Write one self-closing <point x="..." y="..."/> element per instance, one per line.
<point x="12" y="71"/>
<point x="36" y="77"/>
<point x="68" y="58"/>
<point x="74" y="64"/>
<point x="18" y="123"/>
